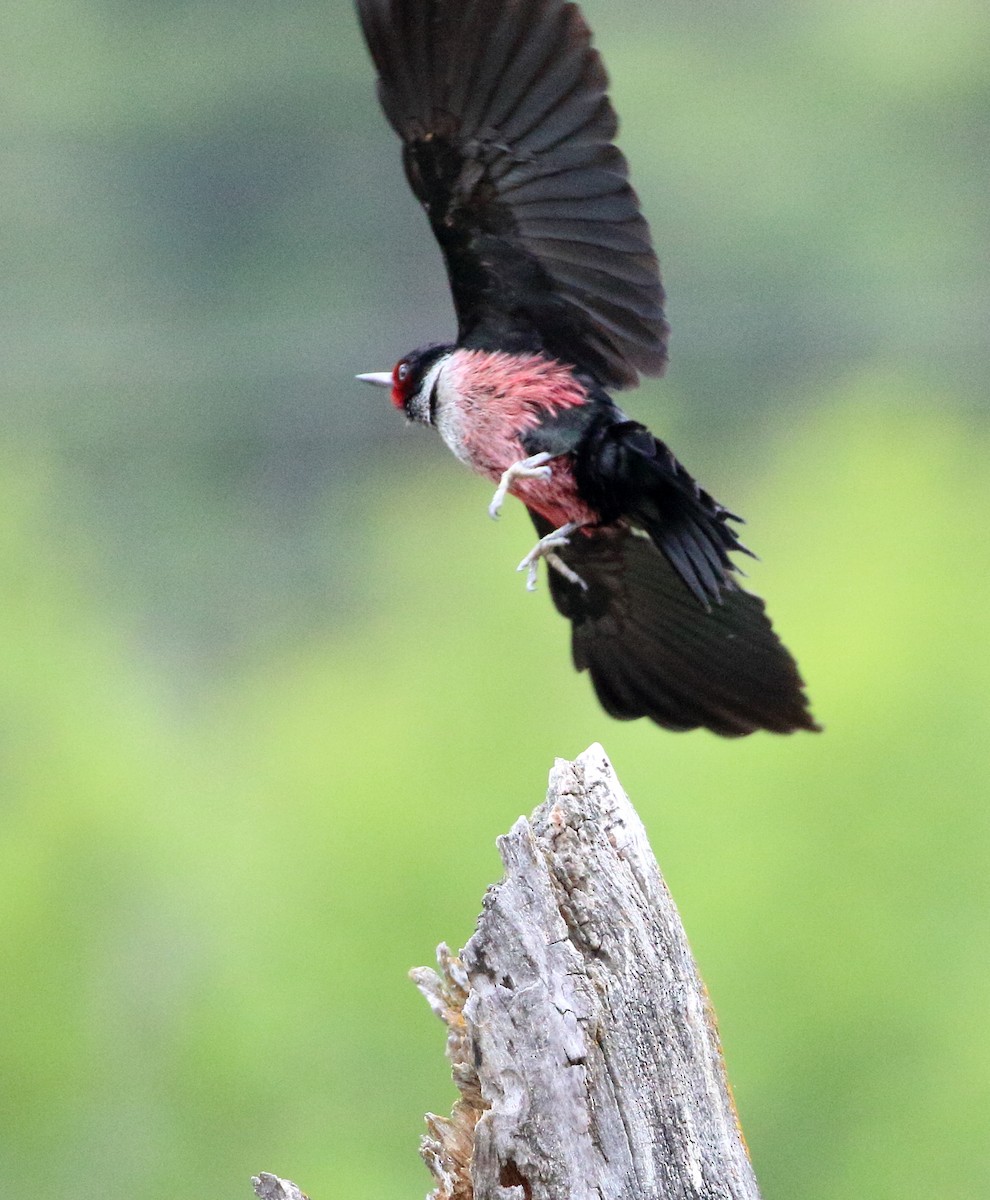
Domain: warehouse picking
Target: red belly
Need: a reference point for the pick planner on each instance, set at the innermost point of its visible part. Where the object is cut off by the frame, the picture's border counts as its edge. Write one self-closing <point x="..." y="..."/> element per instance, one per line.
<point x="501" y="396"/>
<point x="555" y="498"/>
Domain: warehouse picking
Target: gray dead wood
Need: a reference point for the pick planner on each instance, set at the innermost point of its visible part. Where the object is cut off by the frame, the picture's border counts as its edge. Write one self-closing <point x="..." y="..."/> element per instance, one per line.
<point x="580" y="1034"/>
<point x="270" y="1187"/>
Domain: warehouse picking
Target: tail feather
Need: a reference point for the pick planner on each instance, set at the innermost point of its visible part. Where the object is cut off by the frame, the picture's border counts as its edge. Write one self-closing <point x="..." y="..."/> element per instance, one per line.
<point x="625" y="472"/>
<point x="653" y="650"/>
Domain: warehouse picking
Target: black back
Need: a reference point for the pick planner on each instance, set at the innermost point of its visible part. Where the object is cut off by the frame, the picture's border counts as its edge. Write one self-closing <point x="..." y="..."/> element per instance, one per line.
<point x="507" y="128"/>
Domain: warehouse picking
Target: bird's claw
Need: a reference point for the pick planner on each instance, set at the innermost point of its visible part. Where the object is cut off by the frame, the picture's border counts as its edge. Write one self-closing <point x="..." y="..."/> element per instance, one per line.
<point x="546" y="548"/>
<point x="533" y="467"/>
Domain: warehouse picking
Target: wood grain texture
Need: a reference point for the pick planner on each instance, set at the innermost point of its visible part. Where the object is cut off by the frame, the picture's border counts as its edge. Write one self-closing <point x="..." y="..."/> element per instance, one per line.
<point x="270" y="1187"/>
<point x="579" y="1031"/>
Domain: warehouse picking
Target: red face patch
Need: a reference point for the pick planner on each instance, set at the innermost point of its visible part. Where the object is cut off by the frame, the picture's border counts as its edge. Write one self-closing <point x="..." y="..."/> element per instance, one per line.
<point x="403" y="380"/>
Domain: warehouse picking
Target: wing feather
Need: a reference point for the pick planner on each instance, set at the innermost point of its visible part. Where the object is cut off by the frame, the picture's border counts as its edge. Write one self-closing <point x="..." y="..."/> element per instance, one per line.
<point x="653" y="651"/>
<point x="507" y="131"/>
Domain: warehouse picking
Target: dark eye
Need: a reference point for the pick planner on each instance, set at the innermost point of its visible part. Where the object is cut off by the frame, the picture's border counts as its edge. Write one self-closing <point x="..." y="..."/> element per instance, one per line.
<point x="402" y="372"/>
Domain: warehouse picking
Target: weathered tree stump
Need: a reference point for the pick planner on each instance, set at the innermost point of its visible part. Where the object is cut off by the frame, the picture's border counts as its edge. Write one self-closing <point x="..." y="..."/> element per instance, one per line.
<point x="270" y="1187"/>
<point x="579" y="1032"/>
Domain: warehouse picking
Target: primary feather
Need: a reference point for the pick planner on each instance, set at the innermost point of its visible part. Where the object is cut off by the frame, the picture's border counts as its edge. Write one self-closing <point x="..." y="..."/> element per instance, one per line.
<point x="653" y="651"/>
<point x="507" y="134"/>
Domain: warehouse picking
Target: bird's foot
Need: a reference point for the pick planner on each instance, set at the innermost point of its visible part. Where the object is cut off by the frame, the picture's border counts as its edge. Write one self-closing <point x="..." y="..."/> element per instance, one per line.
<point x="533" y="467"/>
<point x="547" y="548"/>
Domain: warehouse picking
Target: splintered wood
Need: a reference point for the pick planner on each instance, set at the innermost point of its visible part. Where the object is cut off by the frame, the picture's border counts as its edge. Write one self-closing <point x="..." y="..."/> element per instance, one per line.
<point x="579" y="1032"/>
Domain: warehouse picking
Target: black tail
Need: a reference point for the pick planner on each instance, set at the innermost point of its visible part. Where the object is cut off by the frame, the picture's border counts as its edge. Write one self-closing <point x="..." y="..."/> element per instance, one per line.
<point x="654" y="651"/>
<point x="625" y="473"/>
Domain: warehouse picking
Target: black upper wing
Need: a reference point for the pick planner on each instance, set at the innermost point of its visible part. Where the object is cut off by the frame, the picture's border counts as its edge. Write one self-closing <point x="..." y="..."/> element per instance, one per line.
<point x="653" y="651"/>
<point x="507" y="128"/>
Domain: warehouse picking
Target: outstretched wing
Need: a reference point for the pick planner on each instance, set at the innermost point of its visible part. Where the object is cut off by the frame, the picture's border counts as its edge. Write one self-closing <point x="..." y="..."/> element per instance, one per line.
<point x="653" y="651"/>
<point x="507" y="131"/>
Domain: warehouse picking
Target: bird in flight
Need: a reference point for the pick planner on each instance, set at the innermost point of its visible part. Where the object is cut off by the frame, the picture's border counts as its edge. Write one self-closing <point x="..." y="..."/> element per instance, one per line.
<point x="507" y="142"/>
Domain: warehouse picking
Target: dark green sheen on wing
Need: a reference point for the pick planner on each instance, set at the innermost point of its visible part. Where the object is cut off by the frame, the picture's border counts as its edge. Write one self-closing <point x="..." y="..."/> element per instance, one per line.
<point x="507" y="143"/>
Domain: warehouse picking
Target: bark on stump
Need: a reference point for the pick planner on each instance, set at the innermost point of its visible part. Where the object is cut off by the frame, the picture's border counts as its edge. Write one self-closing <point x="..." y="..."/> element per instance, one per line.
<point x="579" y="1032"/>
<point x="578" y="1029"/>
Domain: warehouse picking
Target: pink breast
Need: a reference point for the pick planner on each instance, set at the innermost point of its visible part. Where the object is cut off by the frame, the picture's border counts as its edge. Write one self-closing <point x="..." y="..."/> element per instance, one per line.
<point x="502" y="395"/>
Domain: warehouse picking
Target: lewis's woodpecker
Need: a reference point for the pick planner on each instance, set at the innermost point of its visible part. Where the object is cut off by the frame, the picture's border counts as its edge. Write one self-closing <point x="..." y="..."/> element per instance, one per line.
<point x="507" y="133"/>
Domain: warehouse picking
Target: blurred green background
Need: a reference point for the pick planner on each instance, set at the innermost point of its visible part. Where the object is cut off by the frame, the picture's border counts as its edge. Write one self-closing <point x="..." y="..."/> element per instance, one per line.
<point x="270" y="687"/>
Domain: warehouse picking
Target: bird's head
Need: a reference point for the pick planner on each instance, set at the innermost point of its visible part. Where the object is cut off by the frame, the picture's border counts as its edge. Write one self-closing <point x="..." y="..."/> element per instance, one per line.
<point x="413" y="381"/>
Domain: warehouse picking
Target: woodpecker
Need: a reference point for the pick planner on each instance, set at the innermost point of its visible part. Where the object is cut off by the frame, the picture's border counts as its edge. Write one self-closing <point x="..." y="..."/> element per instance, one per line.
<point x="507" y="142"/>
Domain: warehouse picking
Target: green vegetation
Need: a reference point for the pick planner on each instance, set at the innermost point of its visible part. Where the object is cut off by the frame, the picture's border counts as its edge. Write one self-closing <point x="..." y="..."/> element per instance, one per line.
<point x="270" y="688"/>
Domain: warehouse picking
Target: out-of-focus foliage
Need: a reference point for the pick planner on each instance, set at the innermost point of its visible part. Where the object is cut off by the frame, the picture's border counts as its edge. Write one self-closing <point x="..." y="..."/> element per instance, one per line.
<point x="269" y="687"/>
